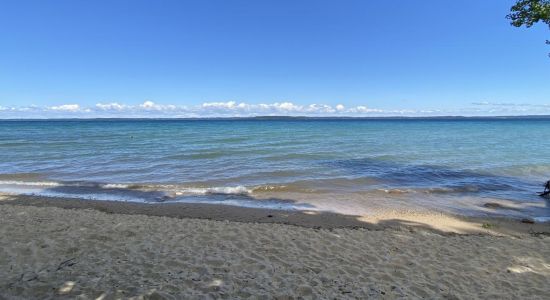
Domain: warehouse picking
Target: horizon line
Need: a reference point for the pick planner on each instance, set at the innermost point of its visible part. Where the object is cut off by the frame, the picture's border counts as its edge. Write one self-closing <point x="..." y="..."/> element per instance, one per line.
<point x="282" y="117"/>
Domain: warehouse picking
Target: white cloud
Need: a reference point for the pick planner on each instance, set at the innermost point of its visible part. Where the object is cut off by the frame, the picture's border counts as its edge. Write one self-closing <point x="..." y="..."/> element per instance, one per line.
<point x="110" y="106"/>
<point x="361" y="109"/>
<point x="150" y="109"/>
<point x="320" y="108"/>
<point x="287" y="106"/>
<point x="224" y="105"/>
<point x="150" y="105"/>
<point x="510" y="104"/>
<point x="66" y="107"/>
<point x="232" y="106"/>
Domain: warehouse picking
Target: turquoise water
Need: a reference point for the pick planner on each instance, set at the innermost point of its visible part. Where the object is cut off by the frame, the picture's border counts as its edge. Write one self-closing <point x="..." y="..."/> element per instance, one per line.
<point x="447" y="164"/>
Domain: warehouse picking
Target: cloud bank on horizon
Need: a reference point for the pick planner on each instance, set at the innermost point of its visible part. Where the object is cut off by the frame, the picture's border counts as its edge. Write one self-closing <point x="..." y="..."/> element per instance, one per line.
<point x="150" y="109"/>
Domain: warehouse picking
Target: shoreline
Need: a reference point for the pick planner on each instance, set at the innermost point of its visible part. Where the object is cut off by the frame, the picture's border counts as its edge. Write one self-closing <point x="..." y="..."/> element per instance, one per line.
<point x="434" y="221"/>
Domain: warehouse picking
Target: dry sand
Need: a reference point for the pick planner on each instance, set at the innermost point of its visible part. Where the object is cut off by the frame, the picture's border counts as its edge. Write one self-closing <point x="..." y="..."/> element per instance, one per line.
<point x="55" y="248"/>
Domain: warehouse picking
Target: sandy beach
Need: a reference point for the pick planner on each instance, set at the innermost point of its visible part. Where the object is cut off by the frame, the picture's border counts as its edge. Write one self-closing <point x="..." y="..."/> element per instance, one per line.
<point x="63" y="248"/>
<point x="280" y="150"/>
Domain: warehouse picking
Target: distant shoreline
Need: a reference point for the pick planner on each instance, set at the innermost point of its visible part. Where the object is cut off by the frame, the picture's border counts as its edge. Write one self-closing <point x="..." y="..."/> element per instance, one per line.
<point x="293" y="118"/>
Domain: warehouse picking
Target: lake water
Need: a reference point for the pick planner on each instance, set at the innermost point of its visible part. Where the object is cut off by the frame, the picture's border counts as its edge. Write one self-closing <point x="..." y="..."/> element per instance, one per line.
<point x="345" y="165"/>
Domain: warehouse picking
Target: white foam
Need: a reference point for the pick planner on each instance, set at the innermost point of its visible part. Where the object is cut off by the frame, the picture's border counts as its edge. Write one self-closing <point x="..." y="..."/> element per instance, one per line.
<point x="29" y="183"/>
<point x="115" y="186"/>
<point x="236" y="190"/>
<point x="51" y="183"/>
<point x="95" y="196"/>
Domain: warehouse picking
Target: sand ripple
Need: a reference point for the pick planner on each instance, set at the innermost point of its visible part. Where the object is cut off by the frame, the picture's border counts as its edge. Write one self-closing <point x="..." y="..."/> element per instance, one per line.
<point x="51" y="252"/>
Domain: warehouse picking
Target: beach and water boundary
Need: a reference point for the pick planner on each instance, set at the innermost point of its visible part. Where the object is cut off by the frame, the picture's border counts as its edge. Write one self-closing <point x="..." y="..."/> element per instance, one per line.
<point x="350" y="166"/>
<point x="392" y="228"/>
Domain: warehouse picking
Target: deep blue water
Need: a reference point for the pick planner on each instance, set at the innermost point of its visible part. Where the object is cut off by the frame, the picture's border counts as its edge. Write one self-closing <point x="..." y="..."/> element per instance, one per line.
<point x="419" y="161"/>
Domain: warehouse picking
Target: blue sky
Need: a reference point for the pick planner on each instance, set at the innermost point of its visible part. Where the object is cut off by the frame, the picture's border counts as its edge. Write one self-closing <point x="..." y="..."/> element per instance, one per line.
<point x="194" y="58"/>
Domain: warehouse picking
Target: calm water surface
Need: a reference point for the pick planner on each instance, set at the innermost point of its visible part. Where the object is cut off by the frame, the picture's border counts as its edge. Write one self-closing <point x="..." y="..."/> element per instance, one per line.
<point x="327" y="164"/>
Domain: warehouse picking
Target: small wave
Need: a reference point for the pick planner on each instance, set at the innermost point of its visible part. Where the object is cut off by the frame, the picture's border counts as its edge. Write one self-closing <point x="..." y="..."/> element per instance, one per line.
<point x="236" y="190"/>
<point x="175" y="189"/>
<point x="172" y="190"/>
<point x="396" y="191"/>
<point x="65" y="184"/>
<point x="446" y="190"/>
<point x="269" y="188"/>
<point x="281" y="188"/>
<point x="30" y="183"/>
<point x="116" y="186"/>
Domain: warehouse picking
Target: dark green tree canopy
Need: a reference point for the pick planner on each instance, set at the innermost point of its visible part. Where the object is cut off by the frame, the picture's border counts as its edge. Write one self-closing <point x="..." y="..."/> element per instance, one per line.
<point x="529" y="12"/>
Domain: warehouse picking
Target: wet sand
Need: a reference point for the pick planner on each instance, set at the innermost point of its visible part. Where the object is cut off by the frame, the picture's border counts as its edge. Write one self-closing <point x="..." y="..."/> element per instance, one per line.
<point x="97" y="249"/>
